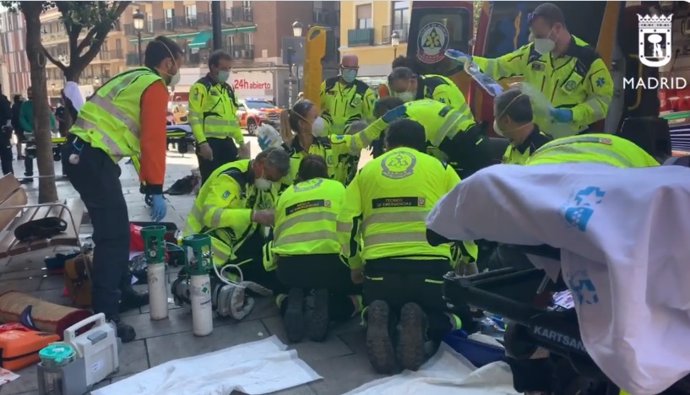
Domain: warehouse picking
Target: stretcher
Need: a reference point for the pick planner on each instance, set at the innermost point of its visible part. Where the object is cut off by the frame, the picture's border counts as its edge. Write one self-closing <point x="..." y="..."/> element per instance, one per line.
<point x="180" y="135"/>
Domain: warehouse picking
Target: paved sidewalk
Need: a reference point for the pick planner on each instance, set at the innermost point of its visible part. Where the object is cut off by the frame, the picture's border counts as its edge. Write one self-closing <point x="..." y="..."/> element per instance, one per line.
<point x="341" y="359"/>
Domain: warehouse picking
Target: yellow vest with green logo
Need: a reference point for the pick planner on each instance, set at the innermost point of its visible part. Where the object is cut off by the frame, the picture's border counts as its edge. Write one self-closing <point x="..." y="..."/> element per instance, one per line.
<point x="224" y="208"/>
<point x="593" y="148"/>
<point x="388" y="201"/>
<point x="444" y="90"/>
<point x="111" y="119"/>
<point x="440" y="122"/>
<point x="305" y="218"/>
<point x="578" y="80"/>
<point x="213" y="111"/>
<point x="342" y="104"/>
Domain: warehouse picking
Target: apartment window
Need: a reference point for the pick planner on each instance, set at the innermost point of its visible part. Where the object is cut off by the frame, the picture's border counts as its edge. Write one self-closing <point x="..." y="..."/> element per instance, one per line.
<point x="169" y="18"/>
<point x="190" y="12"/>
<point x="149" y="21"/>
<point x="364" y="19"/>
<point x="401" y="15"/>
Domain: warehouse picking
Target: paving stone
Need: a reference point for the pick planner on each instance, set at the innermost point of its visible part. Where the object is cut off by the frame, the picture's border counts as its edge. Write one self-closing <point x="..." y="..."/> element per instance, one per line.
<point x="356" y="340"/>
<point x="264" y="307"/>
<point x="186" y="344"/>
<point x="343" y="374"/>
<point x="22" y="274"/>
<point x="27" y="382"/>
<point x="27" y="285"/>
<point x="309" y="351"/>
<point x="133" y="358"/>
<point x="52" y="281"/>
<point x="179" y="320"/>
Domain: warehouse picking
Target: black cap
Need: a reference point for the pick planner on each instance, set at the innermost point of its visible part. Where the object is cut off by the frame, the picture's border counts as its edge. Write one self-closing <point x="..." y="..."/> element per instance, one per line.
<point x="550" y="12"/>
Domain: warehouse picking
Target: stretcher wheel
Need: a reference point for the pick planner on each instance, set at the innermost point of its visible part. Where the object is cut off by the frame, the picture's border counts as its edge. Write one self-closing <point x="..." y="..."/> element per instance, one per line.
<point x="517" y="342"/>
<point x="182" y="147"/>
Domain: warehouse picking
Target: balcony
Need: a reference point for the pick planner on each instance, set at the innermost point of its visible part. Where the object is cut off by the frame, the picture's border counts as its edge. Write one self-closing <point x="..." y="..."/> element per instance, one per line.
<point x="360" y="37"/>
<point x="241" y="14"/>
<point x="402" y="30"/>
<point x="198" y="20"/>
<point x="133" y="59"/>
<point x="241" y="51"/>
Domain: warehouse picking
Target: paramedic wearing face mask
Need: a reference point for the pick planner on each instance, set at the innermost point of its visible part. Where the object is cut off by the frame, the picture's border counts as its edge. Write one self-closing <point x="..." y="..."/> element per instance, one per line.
<point x="514" y="121"/>
<point x="212" y="116"/>
<point x="304" y="132"/>
<point x="233" y="205"/>
<point x="566" y="69"/>
<point x="124" y="118"/>
<point x="408" y="86"/>
<point x="345" y="99"/>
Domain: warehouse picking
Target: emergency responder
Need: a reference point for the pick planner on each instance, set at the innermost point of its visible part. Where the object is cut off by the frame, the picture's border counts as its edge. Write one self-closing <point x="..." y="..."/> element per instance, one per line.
<point x="601" y="148"/>
<point x="408" y="86"/>
<point x="387" y="204"/>
<point x="124" y="118"/>
<point x="569" y="72"/>
<point x="401" y="61"/>
<point x="345" y="99"/>
<point x="514" y="121"/>
<point x="235" y="207"/>
<point x="310" y="138"/>
<point x="306" y="253"/>
<point x="212" y="116"/>
<point x="451" y="135"/>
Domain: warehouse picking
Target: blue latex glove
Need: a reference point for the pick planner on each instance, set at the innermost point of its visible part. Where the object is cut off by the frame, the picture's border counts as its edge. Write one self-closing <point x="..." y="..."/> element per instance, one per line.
<point x="392" y="115"/>
<point x="158" y="208"/>
<point x="562" y="115"/>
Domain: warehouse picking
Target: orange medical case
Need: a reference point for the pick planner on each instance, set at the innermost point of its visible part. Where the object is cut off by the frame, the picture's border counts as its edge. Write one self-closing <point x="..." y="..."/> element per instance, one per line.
<point x="19" y="346"/>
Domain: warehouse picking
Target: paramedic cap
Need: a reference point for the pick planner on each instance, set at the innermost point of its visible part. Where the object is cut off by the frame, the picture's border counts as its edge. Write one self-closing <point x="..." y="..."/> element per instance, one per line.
<point x="549" y="11"/>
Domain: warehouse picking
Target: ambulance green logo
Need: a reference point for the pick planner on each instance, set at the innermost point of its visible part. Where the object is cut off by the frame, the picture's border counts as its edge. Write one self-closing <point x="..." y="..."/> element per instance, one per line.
<point x="432" y="43"/>
<point x="398" y="165"/>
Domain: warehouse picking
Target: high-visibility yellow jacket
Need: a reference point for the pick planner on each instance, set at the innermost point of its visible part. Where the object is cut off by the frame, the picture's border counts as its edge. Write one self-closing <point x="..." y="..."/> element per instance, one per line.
<point x="593" y="148"/>
<point x="336" y="150"/>
<point x="305" y="220"/>
<point x="387" y="204"/>
<point x="439" y="120"/>
<point x="518" y="154"/>
<point x="342" y="104"/>
<point x="444" y="90"/>
<point x="224" y="208"/>
<point x="213" y="111"/>
<point x="578" y="80"/>
<point x="111" y="119"/>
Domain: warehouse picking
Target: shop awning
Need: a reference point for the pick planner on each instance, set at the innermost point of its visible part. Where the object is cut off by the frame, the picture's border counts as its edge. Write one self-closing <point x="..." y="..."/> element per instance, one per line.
<point x="201" y="39"/>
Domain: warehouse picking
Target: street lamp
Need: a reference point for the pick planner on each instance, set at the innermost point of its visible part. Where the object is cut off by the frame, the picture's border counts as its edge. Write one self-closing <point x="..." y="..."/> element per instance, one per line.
<point x="296" y="32"/>
<point x="138" y="20"/>
<point x="97" y="81"/>
<point x="297" y="29"/>
<point x="395" y="41"/>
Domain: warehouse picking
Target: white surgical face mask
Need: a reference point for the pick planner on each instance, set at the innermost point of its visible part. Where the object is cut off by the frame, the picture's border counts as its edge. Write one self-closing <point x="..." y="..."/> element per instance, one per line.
<point x="498" y="130"/>
<point x="223" y="75"/>
<point x="406" y="96"/>
<point x="318" y="127"/>
<point x="175" y="79"/>
<point x="544" y="45"/>
<point x="262" y="184"/>
<point x="349" y="75"/>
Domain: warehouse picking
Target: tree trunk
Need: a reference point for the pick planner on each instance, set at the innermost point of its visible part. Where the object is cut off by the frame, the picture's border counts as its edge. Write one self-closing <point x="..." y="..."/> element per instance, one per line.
<point x="73" y="71"/>
<point x="47" y="192"/>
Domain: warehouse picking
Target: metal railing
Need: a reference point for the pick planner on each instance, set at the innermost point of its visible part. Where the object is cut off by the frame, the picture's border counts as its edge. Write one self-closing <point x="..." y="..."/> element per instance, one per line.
<point x="241" y="14"/>
<point x="242" y="51"/>
<point x="360" y="37"/>
<point x="132" y="59"/>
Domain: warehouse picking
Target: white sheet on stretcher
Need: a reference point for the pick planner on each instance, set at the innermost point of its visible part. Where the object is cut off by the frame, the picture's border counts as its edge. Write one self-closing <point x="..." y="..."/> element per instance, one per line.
<point x="259" y="367"/>
<point x="625" y="240"/>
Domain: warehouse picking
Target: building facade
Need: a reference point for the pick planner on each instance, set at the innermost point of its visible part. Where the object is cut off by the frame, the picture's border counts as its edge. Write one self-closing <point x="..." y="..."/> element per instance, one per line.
<point x="14" y="66"/>
<point x="366" y="28"/>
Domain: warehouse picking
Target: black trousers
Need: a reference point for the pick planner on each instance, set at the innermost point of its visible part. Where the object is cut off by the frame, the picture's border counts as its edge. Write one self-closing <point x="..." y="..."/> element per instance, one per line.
<point x="6" y="150"/>
<point x="251" y="253"/>
<point x="29" y="156"/>
<point x="401" y="281"/>
<point x="224" y="151"/>
<point x="469" y="151"/>
<point x="97" y="179"/>
<point x="321" y="271"/>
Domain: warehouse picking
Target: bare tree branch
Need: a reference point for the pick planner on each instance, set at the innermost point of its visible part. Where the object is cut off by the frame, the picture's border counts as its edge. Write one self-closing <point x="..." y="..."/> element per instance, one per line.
<point x="54" y="61"/>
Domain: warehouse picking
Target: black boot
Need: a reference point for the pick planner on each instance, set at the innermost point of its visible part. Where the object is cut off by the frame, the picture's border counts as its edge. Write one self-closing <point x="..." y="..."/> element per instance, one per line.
<point x="131" y="299"/>
<point x="125" y="332"/>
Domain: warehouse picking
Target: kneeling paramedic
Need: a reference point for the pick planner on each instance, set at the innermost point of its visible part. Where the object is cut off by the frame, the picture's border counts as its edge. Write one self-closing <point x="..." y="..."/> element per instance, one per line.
<point x="305" y="253"/>
<point x="235" y="207"/>
<point x="387" y="204"/>
<point x="124" y="118"/>
<point x="451" y="135"/>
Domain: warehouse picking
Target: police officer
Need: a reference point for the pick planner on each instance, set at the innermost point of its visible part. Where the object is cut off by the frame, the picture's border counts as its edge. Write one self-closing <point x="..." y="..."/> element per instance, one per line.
<point x="387" y="204"/>
<point x="565" y="68"/>
<point x="514" y="121"/>
<point x="124" y="118"/>
<point x="212" y="116"/>
<point x="306" y="252"/>
<point x="593" y="148"/>
<point x="345" y="99"/>
<point x="232" y="207"/>
<point x="452" y="136"/>
<point x="310" y="137"/>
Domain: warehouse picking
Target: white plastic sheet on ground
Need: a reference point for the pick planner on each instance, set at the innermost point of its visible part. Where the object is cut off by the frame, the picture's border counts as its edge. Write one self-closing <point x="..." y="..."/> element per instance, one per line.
<point x="447" y="372"/>
<point x="253" y="368"/>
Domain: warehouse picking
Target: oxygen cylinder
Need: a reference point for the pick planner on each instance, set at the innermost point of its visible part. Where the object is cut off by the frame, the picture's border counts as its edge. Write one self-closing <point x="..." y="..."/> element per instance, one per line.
<point x="198" y="251"/>
<point x="154" y="251"/>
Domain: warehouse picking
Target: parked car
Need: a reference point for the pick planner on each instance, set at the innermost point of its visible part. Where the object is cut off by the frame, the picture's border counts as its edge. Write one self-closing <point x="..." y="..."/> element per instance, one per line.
<point x="252" y="113"/>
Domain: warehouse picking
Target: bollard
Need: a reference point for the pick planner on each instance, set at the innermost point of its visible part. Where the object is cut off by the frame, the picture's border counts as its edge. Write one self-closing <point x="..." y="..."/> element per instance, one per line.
<point x="154" y="250"/>
<point x="198" y="252"/>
